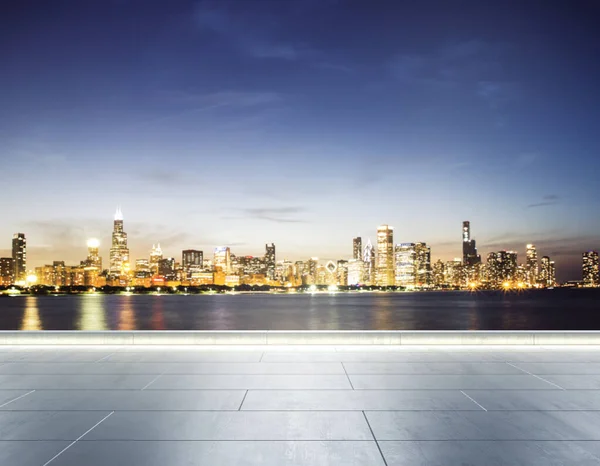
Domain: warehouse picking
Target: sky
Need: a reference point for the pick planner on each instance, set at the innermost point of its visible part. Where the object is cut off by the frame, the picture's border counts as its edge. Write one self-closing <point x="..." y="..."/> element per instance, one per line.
<point x="303" y="123"/>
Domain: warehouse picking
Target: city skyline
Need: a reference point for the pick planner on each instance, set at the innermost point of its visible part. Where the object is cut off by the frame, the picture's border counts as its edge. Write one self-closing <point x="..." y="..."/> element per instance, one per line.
<point x="385" y="255"/>
<point x="239" y="123"/>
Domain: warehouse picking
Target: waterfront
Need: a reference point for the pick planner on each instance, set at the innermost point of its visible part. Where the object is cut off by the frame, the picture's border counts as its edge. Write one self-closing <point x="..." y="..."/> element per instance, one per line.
<point x="560" y="309"/>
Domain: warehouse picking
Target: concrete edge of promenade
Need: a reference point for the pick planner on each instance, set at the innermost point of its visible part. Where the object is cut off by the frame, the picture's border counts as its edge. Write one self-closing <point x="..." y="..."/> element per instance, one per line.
<point x="308" y="337"/>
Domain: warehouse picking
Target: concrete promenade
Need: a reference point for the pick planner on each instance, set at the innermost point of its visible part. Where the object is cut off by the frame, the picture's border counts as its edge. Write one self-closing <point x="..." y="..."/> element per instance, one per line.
<point x="300" y="405"/>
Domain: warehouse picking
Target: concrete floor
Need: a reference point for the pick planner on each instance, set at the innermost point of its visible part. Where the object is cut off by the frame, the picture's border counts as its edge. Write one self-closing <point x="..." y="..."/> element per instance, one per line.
<point x="86" y="405"/>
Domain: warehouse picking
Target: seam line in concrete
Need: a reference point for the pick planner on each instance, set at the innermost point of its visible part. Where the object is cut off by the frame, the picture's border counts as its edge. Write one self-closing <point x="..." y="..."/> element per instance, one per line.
<point x="473" y="401"/>
<point x="105" y="357"/>
<point x="373" y="434"/>
<point x="346" y="372"/>
<point x="78" y="439"/>
<point x="17" y="398"/>
<point x="243" y="399"/>
<point x="536" y="376"/>
<point x="153" y="380"/>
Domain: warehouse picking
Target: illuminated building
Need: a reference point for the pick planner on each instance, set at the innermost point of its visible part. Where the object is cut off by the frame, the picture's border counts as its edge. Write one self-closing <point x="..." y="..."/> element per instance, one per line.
<point x="119" y="253"/>
<point x="311" y="271"/>
<point x="156" y="256"/>
<point x="405" y="264"/>
<point x="501" y="268"/>
<point x="191" y="260"/>
<point x="287" y="271"/>
<point x="231" y="280"/>
<point x="7" y="271"/>
<point x="531" y="266"/>
<point x="357" y="248"/>
<point x="322" y="275"/>
<point x="369" y="260"/>
<point x="331" y="273"/>
<point x="356" y="272"/>
<point x="203" y="278"/>
<point x="470" y="256"/>
<point x="93" y="258"/>
<point x="547" y="277"/>
<point x="439" y="271"/>
<point x="455" y="273"/>
<point x="384" y="271"/>
<point x="222" y="260"/>
<point x="590" y="269"/>
<point x="142" y="268"/>
<point x="166" y="268"/>
<point x="423" y="273"/>
<point x="19" y="256"/>
<point x="300" y="269"/>
<point x="342" y="272"/>
<point x="270" y="260"/>
<point x="249" y="265"/>
<point x="92" y="265"/>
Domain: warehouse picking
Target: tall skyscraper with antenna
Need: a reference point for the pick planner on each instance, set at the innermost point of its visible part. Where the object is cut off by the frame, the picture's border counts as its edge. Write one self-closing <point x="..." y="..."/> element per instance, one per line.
<point x="470" y="256"/>
<point x="119" y="252"/>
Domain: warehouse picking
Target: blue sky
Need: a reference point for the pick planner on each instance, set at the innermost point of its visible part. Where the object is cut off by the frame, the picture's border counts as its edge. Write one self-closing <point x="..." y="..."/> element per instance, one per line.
<point x="302" y="123"/>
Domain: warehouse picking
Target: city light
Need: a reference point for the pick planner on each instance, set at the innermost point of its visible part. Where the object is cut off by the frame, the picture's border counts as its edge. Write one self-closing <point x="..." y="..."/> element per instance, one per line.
<point x="405" y="266"/>
<point x="93" y="243"/>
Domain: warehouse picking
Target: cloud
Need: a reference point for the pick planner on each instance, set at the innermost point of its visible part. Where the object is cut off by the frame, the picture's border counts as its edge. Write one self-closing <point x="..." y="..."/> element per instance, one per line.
<point x="226" y="98"/>
<point x="254" y="31"/>
<point x="272" y="214"/>
<point x="205" y="102"/>
<point x="527" y="159"/>
<point x="547" y="200"/>
<point x="474" y="64"/>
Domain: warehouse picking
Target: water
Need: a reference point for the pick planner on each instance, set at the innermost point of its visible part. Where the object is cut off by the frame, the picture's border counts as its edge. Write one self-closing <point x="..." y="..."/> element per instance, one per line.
<point x="560" y="309"/>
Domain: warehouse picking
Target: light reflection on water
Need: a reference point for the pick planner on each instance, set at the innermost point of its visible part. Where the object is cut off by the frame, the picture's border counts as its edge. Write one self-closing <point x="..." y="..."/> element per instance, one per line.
<point x="91" y="315"/>
<point x="31" y="316"/>
<point x="127" y="315"/>
<point x="536" y="310"/>
<point x="158" y="318"/>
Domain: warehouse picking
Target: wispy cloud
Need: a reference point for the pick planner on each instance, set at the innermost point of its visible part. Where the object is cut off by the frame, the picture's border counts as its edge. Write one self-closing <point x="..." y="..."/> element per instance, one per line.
<point x="527" y="159"/>
<point x="225" y="98"/>
<point x="272" y="214"/>
<point x="475" y="64"/>
<point x="255" y="33"/>
<point x="189" y="103"/>
<point x="547" y="200"/>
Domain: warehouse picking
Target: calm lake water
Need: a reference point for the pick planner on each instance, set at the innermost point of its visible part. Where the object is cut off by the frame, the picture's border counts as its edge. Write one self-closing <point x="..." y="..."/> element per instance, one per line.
<point x="560" y="309"/>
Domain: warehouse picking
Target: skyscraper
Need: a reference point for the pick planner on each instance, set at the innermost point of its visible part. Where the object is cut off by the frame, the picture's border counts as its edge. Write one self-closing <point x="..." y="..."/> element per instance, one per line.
<point x="357" y="248"/>
<point x="222" y="261"/>
<point x="423" y="273"/>
<point x="342" y="272"/>
<point x="531" y="265"/>
<point x="93" y="258"/>
<point x="19" y="256"/>
<point x="470" y="256"/>
<point x="356" y="272"/>
<point x="191" y="261"/>
<point x="501" y="268"/>
<point x="166" y="268"/>
<point x="270" y="260"/>
<point x="119" y="253"/>
<point x="405" y="264"/>
<point x="547" y="273"/>
<point x="7" y="271"/>
<point x="590" y="269"/>
<point x="156" y="256"/>
<point x="369" y="267"/>
<point x="384" y="272"/>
